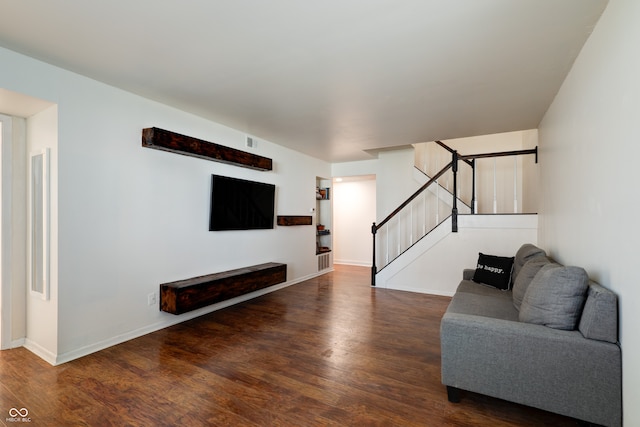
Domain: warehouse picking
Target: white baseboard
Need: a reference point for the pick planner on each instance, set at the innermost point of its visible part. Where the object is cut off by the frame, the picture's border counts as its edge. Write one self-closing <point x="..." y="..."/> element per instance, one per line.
<point x="421" y="291"/>
<point x="352" y="262"/>
<point x="170" y="320"/>
<point x="40" y="351"/>
<point x="17" y="343"/>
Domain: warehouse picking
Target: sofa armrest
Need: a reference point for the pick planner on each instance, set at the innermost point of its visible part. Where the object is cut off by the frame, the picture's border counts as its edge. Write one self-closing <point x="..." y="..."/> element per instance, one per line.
<point x="467" y="273"/>
<point x="559" y="371"/>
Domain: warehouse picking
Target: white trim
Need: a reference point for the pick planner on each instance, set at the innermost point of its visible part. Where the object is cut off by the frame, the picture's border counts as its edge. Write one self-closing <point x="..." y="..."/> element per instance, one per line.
<point x="20" y="342"/>
<point x="418" y="290"/>
<point x="5" y="231"/>
<point x="352" y="262"/>
<point x="40" y="351"/>
<point x="44" y="294"/>
<point x="169" y="320"/>
<point x="500" y="221"/>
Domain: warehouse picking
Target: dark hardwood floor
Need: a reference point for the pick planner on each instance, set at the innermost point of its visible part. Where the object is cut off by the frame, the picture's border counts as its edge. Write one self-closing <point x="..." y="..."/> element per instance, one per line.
<point x="329" y="351"/>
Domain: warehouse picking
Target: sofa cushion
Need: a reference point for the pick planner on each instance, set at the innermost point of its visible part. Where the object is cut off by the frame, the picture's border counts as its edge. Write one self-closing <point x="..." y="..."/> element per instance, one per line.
<point x="474" y="299"/>
<point x="494" y="271"/>
<point x="524" y="254"/>
<point x="555" y="297"/>
<point x="599" y="320"/>
<point x="525" y="276"/>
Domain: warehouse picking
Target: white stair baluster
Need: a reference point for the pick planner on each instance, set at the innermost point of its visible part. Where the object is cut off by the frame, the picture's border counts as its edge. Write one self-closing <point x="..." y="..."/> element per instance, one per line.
<point x="398" y="246"/>
<point x="410" y="224"/>
<point x="495" y="193"/>
<point x="437" y="202"/>
<point x="515" y="184"/>
<point x="386" y="261"/>
<point x="475" y="187"/>
<point x="424" y="213"/>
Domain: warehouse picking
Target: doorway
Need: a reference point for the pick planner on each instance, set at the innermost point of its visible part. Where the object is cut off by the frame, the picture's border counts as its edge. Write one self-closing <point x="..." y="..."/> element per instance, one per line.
<point x="354" y="211"/>
<point x="16" y="110"/>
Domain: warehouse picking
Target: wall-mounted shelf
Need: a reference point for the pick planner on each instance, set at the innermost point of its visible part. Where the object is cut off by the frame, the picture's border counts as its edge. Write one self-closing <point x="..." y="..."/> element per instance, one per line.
<point x="294" y="220"/>
<point x="197" y="292"/>
<point x="324" y="242"/>
<point x="160" y="139"/>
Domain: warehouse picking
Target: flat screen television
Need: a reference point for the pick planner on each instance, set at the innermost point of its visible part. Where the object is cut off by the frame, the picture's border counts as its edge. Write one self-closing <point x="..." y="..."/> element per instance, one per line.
<point x="238" y="204"/>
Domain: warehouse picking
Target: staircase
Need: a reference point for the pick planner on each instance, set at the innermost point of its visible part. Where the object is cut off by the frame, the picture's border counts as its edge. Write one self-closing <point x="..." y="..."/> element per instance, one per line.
<point x="440" y="206"/>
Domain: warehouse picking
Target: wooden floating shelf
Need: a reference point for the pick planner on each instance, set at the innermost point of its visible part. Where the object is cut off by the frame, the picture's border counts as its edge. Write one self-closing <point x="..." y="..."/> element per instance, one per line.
<point x="294" y="220"/>
<point x="190" y="294"/>
<point x="160" y="139"/>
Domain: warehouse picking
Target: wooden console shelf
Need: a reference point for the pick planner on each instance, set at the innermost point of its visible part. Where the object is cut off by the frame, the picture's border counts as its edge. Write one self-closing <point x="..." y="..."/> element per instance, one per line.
<point x="190" y="294"/>
<point x="165" y="140"/>
<point x="294" y="220"/>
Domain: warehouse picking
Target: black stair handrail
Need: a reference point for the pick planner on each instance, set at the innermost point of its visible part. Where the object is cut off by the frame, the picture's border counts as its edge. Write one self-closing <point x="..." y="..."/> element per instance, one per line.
<point x="451" y="150"/>
<point x="412" y="197"/>
<point x="471" y="163"/>
<point x="470" y="159"/>
<point x="500" y="154"/>
<point x="445" y="189"/>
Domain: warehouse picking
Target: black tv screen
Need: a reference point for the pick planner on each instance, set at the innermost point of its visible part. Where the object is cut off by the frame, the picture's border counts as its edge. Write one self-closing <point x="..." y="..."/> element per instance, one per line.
<point x="238" y="204"/>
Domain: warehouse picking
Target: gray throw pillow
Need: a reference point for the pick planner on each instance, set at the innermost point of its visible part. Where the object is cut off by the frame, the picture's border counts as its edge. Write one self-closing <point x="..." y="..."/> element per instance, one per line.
<point x="555" y="297"/>
<point x="524" y="254"/>
<point x="599" y="320"/>
<point x="526" y="275"/>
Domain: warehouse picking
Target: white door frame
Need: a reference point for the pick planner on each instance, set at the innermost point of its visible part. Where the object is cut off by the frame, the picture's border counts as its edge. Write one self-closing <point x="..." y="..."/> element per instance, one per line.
<point x="5" y="232"/>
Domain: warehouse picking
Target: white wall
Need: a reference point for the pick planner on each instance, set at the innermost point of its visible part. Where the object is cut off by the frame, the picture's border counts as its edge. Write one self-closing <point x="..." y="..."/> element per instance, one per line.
<point x="354" y="210"/>
<point x="395" y="180"/>
<point x="130" y="218"/>
<point x="18" y="231"/>
<point x="6" y="143"/>
<point x="589" y="151"/>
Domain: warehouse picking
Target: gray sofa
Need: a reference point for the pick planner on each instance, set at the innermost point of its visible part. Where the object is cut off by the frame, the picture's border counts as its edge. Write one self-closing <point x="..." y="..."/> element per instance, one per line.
<point x="508" y="344"/>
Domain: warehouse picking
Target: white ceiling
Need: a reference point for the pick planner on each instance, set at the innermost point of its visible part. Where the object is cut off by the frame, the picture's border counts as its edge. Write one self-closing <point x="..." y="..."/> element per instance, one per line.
<point x="336" y="79"/>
